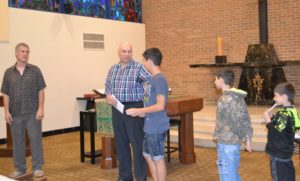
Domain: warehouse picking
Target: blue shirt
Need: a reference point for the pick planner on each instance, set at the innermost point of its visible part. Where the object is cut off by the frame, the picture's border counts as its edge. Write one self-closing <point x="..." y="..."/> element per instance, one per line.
<point x="156" y="122"/>
<point x="126" y="84"/>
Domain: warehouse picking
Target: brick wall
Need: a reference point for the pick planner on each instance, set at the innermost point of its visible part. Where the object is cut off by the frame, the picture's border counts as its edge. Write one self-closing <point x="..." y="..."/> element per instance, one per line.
<point x="284" y="28"/>
<point x="186" y="32"/>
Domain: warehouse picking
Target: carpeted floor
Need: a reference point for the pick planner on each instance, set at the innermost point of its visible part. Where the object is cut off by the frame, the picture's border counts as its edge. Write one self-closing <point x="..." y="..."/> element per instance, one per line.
<point x="62" y="163"/>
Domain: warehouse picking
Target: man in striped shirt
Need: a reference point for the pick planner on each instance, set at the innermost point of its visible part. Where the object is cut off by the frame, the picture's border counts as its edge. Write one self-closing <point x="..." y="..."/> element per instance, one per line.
<point x="125" y="81"/>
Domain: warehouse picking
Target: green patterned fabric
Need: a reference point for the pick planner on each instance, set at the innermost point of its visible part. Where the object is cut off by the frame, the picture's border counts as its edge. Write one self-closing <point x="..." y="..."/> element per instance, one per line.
<point x="104" y="119"/>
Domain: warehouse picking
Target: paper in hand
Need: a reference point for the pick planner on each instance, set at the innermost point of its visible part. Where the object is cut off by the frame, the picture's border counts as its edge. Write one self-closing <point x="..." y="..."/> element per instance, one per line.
<point x="119" y="106"/>
<point x="269" y="110"/>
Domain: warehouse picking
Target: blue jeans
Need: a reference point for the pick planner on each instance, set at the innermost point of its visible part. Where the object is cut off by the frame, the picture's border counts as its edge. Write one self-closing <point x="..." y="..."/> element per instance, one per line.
<point x="282" y="169"/>
<point x="228" y="162"/>
<point x="154" y="146"/>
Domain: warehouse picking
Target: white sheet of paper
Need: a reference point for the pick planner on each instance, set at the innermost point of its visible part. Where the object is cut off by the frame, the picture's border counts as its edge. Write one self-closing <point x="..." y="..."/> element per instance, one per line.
<point x="297" y="135"/>
<point x="119" y="106"/>
<point x="263" y="121"/>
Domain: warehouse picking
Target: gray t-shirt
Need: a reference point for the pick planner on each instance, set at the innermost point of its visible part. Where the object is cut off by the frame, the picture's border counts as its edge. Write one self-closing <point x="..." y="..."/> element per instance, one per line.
<point x="156" y="122"/>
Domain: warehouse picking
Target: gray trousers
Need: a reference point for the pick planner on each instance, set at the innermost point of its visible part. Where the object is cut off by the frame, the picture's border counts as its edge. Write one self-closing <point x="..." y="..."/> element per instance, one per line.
<point x="34" y="130"/>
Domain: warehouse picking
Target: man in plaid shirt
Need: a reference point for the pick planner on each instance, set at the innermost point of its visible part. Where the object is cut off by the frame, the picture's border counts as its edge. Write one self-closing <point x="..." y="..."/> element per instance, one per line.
<point x="125" y="82"/>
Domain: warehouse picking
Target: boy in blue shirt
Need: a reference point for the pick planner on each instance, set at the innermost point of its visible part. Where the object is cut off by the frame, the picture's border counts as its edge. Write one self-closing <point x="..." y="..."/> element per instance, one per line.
<point x="156" y="119"/>
<point x="281" y="133"/>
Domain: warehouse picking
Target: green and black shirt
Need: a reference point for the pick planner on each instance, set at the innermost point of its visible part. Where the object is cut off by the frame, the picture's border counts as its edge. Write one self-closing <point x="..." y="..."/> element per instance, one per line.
<point x="281" y="132"/>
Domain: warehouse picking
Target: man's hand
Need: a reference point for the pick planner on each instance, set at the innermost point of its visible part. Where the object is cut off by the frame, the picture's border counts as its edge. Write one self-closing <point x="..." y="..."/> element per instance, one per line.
<point x="39" y="115"/>
<point x="8" y="118"/>
<point x="110" y="100"/>
<point x="133" y="112"/>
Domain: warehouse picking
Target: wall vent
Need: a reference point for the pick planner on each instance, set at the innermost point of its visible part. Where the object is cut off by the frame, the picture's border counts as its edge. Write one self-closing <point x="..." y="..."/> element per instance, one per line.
<point x="93" y="41"/>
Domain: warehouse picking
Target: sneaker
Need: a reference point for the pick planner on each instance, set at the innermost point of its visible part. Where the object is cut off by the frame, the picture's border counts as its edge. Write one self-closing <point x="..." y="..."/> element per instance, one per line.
<point x="16" y="174"/>
<point x="38" y="173"/>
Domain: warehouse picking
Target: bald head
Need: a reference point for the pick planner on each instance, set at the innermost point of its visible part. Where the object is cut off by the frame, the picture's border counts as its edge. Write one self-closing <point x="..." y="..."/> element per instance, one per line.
<point x="125" y="45"/>
<point x="125" y="52"/>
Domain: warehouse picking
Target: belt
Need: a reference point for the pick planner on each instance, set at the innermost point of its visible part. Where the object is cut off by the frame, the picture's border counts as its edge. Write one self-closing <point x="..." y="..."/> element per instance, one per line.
<point x="134" y="102"/>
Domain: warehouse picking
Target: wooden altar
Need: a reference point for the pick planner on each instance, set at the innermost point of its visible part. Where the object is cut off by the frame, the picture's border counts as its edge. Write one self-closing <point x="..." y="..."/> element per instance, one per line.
<point x="7" y="152"/>
<point x="184" y="107"/>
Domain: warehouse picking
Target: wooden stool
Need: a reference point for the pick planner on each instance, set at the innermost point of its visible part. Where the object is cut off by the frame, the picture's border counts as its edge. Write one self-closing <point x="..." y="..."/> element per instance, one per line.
<point x="173" y="122"/>
<point x="89" y="116"/>
<point x="104" y="127"/>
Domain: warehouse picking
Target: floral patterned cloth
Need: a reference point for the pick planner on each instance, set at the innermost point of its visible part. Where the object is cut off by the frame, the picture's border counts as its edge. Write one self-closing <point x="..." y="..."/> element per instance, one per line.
<point x="104" y="119"/>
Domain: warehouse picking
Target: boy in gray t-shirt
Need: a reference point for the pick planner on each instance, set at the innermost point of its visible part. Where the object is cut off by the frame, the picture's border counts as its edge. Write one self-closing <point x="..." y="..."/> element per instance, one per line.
<point x="156" y="119"/>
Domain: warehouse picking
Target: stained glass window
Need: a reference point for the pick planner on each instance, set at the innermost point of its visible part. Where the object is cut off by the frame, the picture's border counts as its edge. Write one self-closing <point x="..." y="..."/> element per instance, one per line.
<point x="124" y="10"/>
<point x="30" y="4"/>
<point x="93" y="8"/>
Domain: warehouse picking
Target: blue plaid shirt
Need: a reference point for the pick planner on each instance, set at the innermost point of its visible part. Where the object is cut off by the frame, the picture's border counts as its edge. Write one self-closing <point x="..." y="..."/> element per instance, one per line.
<point x="127" y="84"/>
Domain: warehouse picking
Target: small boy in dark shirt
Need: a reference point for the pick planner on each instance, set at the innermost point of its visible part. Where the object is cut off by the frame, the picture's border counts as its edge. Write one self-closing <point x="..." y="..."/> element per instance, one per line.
<point x="281" y="133"/>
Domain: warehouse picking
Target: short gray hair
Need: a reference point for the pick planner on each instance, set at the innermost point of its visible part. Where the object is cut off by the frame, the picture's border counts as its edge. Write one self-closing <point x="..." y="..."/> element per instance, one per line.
<point x="21" y="45"/>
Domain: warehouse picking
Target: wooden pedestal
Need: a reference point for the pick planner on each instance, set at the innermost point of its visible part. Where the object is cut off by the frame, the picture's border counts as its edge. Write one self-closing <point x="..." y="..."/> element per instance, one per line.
<point x="180" y="106"/>
<point x="108" y="159"/>
<point x="8" y="151"/>
<point x="184" y="107"/>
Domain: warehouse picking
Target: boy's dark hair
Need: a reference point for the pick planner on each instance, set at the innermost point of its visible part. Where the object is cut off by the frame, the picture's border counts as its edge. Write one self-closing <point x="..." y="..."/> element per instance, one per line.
<point x="227" y="75"/>
<point x="154" y="54"/>
<point x="286" y="88"/>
